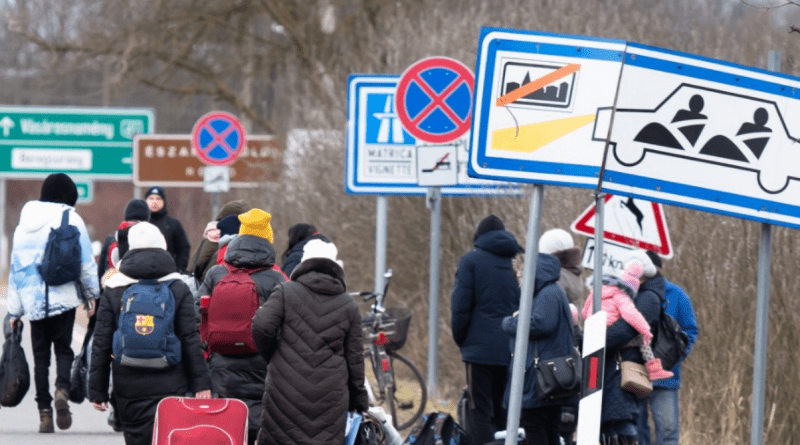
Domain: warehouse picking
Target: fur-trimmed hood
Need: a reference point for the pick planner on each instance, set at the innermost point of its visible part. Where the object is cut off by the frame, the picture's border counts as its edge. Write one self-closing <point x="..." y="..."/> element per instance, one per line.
<point x="321" y="275"/>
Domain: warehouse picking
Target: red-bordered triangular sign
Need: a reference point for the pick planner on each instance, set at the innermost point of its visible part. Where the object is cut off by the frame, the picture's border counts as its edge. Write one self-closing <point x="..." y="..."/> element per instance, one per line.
<point x="629" y="222"/>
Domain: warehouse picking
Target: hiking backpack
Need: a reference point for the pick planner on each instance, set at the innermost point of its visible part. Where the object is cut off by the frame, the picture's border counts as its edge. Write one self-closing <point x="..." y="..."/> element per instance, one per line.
<point x="231" y="307"/>
<point x="61" y="262"/>
<point x="145" y="335"/>
<point x="436" y="428"/>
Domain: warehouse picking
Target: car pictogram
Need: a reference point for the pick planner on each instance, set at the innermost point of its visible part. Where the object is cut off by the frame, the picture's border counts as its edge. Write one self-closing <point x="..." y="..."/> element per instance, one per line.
<point x="711" y="126"/>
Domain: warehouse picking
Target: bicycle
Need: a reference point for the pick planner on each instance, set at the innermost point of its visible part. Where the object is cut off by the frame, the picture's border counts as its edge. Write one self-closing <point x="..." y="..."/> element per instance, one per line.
<point x="392" y="380"/>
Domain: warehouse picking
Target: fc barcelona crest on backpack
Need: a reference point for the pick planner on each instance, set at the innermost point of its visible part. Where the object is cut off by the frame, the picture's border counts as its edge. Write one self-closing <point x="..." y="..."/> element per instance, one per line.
<point x="144" y="324"/>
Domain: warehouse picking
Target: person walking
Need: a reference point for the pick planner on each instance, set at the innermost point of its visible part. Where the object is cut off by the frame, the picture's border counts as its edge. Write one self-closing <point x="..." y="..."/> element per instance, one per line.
<point x="550" y="335"/>
<point x="203" y="258"/>
<point x="620" y="408"/>
<point x="50" y="309"/>
<point x="135" y="211"/>
<point x="242" y="376"/>
<point x="299" y="234"/>
<point x="485" y="291"/>
<point x="137" y="387"/>
<point x="177" y="244"/>
<point x="664" y="400"/>
<point x="309" y="331"/>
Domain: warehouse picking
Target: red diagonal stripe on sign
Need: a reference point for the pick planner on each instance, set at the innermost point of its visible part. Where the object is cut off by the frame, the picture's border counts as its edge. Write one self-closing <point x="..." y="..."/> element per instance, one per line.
<point x="438" y="100"/>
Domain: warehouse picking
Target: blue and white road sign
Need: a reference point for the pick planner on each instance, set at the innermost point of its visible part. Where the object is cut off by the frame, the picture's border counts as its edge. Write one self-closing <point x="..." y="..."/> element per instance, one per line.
<point x="381" y="156"/>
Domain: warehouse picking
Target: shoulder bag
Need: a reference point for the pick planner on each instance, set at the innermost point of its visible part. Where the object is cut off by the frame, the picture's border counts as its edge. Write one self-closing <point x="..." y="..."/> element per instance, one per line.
<point x="634" y="377"/>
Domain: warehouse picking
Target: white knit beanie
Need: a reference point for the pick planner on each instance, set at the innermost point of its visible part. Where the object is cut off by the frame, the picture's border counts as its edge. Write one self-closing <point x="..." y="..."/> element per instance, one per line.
<point x="145" y="235"/>
<point x="555" y="240"/>
<point x="317" y="248"/>
<point x="648" y="268"/>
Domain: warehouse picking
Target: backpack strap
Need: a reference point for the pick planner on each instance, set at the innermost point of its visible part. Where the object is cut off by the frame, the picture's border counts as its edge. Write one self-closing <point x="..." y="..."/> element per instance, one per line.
<point x="65" y="218"/>
<point x="231" y="268"/>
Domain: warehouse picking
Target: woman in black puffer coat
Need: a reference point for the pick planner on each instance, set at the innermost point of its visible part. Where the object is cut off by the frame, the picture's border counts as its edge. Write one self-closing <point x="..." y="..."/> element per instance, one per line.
<point x="310" y="333"/>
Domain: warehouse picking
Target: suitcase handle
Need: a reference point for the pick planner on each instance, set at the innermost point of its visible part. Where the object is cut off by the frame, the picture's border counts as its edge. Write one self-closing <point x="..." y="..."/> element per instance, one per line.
<point x="205" y="406"/>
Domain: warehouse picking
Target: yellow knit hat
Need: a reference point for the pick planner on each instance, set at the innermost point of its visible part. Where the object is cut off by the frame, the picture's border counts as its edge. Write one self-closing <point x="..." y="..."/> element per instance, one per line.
<point x="256" y="222"/>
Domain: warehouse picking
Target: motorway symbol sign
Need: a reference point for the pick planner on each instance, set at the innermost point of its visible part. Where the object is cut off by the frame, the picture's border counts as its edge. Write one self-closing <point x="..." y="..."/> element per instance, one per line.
<point x="629" y="222"/>
<point x="437" y="165"/>
<point x="536" y="97"/>
<point x="218" y="138"/>
<point x="82" y="142"/>
<point x="705" y="134"/>
<point x="169" y="160"/>
<point x="381" y="156"/>
<point x="434" y="99"/>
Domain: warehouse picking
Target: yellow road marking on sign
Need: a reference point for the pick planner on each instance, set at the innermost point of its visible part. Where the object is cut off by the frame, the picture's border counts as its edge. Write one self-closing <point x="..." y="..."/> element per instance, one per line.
<point x="535" y="136"/>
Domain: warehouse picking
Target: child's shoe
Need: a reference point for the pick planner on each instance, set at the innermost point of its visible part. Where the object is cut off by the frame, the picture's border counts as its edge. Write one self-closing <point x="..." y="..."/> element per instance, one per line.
<point x="655" y="371"/>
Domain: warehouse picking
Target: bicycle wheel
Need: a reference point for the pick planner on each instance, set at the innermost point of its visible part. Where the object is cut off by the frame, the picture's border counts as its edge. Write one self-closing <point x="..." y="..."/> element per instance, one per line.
<point x="408" y="395"/>
<point x="376" y="390"/>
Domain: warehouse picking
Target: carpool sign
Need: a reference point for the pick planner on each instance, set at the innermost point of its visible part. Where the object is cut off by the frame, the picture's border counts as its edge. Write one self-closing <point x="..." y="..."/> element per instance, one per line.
<point x="681" y="129"/>
<point x="91" y="142"/>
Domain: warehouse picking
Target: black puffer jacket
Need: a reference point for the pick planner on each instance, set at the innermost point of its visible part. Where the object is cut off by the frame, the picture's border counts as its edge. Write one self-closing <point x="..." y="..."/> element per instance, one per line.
<point x="177" y="242"/>
<point x="316" y="372"/>
<point x="138" y="391"/>
<point x="243" y="377"/>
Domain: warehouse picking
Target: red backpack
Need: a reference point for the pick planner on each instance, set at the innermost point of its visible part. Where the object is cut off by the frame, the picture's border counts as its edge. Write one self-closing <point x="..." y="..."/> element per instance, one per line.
<point x="231" y="308"/>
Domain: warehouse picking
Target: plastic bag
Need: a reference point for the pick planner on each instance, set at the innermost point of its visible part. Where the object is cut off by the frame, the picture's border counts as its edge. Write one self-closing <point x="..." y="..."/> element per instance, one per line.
<point x="15" y="376"/>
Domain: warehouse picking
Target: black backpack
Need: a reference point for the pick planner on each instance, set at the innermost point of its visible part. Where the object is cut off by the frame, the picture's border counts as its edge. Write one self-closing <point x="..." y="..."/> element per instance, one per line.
<point x="436" y="428"/>
<point x="61" y="263"/>
<point x="670" y="342"/>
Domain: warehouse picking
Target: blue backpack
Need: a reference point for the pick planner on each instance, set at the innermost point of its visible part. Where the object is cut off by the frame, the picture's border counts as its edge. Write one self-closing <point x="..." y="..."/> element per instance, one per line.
<point x="61" y="263"/>
<point x="145" y="335"/>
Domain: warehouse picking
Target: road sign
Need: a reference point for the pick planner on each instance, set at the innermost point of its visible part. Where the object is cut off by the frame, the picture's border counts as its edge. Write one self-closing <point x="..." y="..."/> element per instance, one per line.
<point x="613" y="257"/>
<point x="216" y="179"/>
<point x="434" y="99"/>
<point x="536" y="97"/>
<point x="705" y="134"/>
<point x="169" y="160"/>
<point x="436" y="165"/>
<point x="218" y="138"/>
<point x="85" y="142"/>
<point x="629" y="222"/>
<point x="85" y="191"/>
<point x="381" y="155"/>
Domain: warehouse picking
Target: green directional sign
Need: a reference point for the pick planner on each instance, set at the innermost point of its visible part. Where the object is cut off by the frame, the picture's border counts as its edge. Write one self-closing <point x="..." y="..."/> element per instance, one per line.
<point x="85" y="191"/>
<point x="89" y="142"/>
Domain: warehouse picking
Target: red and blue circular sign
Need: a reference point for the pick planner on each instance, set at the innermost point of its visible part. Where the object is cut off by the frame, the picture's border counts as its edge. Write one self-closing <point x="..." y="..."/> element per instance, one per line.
<point x="434" y="99"/>
<point x="218" y="138"/>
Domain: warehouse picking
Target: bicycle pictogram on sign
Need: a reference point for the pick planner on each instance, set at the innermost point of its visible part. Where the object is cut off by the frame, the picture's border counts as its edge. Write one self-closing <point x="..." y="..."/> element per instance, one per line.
<point x="218" y="138"/>
<point x="434" y="99"/>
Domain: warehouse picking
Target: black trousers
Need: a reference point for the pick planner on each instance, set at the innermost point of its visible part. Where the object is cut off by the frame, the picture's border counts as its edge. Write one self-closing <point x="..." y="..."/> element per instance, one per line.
<point x="541" y="425"/>
<point x="55" y="331"/>
<point x="487" y="385"/>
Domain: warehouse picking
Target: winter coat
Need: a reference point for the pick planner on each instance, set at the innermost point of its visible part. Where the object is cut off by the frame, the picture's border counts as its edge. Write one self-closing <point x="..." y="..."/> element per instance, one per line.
<point x="177" y="243"/>
<point x="550" y="327"/>
<point x="203" y="258"/>
<point x="292" y="259"/>
<point x="243" y="377"/>
<point x="619" y="404"/>
<point x="138" y="391"/>
<point x="26" y="289"/>
<point x="485" y="291"/>
<point x="310" y="333"/>
<point x="680" y="307"/>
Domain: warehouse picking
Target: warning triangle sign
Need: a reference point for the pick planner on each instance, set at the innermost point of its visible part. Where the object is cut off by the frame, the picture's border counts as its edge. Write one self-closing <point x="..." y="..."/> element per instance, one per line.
<point x="629" y="222"/>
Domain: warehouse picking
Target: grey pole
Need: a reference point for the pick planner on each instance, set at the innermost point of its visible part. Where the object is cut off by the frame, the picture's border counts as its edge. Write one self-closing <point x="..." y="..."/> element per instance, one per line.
<point x="137" y="193"/>
<point x="381" y="217"/>
<point x="599" y="229"/>
<point x="524" y="316"/>
<point x="762" y="313"/>
<point x="435" y="204"/>
<point x="3" y="236"/>
<point x="214" y="204"/>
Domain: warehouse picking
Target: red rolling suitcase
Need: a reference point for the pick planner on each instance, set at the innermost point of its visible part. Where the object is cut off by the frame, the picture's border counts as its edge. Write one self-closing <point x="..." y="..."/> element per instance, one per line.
<point x="184" y="421"/>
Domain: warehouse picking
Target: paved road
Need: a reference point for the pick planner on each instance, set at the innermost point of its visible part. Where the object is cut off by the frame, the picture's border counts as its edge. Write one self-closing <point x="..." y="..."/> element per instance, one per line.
<point x="20" y="425"/>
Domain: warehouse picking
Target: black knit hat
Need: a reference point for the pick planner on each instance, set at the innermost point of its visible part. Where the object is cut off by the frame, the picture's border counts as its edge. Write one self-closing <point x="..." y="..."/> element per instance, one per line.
<point x="156" y="190"/>
<point x="491" y="222"/>
<point x="654" y="258"/>
<point x="137" y="210"/>
<point x="59" y="188"/>
<point x="229" y="225"/>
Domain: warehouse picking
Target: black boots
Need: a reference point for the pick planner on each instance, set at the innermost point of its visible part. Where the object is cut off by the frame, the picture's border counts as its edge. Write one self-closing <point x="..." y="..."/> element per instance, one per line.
<point x="63" y="416"/>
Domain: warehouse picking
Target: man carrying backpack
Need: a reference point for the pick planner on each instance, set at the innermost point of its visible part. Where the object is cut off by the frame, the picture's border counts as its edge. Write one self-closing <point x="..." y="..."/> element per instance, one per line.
<point x="51" y="245"/>
<point x="230" y="295"/>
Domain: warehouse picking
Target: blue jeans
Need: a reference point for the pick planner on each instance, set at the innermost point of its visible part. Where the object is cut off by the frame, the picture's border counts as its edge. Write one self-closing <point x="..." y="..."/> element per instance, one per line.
<point x="666" y="417"/>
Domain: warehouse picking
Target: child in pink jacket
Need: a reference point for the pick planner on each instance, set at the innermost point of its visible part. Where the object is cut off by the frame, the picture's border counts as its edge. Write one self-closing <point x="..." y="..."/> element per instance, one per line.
<point x="617" y="302"/>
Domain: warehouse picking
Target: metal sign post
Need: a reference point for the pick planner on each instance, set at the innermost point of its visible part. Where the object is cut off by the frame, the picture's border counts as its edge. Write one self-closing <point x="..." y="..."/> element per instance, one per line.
<point x="381" y="219"/>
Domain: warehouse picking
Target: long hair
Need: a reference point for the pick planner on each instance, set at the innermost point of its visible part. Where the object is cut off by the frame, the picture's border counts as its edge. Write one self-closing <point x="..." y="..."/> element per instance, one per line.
<point x="297" y="233"/>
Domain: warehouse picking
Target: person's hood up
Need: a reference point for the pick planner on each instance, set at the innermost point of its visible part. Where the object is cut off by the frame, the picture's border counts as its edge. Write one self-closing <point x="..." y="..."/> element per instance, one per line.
<point x="498" y="242"/>
<point x="548" y="270"/>
<point x="251" y="252"/>
<point x="157" y="190"/>
<point x="36" y="215"/>
<point x="233" y="208"/>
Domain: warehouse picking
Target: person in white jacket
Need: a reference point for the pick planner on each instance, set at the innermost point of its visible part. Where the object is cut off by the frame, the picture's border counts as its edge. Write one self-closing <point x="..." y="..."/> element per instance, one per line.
<point x="51" y="313"/>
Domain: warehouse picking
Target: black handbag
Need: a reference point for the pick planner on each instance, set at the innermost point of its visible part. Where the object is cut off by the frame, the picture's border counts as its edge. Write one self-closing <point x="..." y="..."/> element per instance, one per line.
<point x="15" y="376"/>
<point x="557" y="378"/>
<point x="79" y="376"/>
<point x="670" y="342"/>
